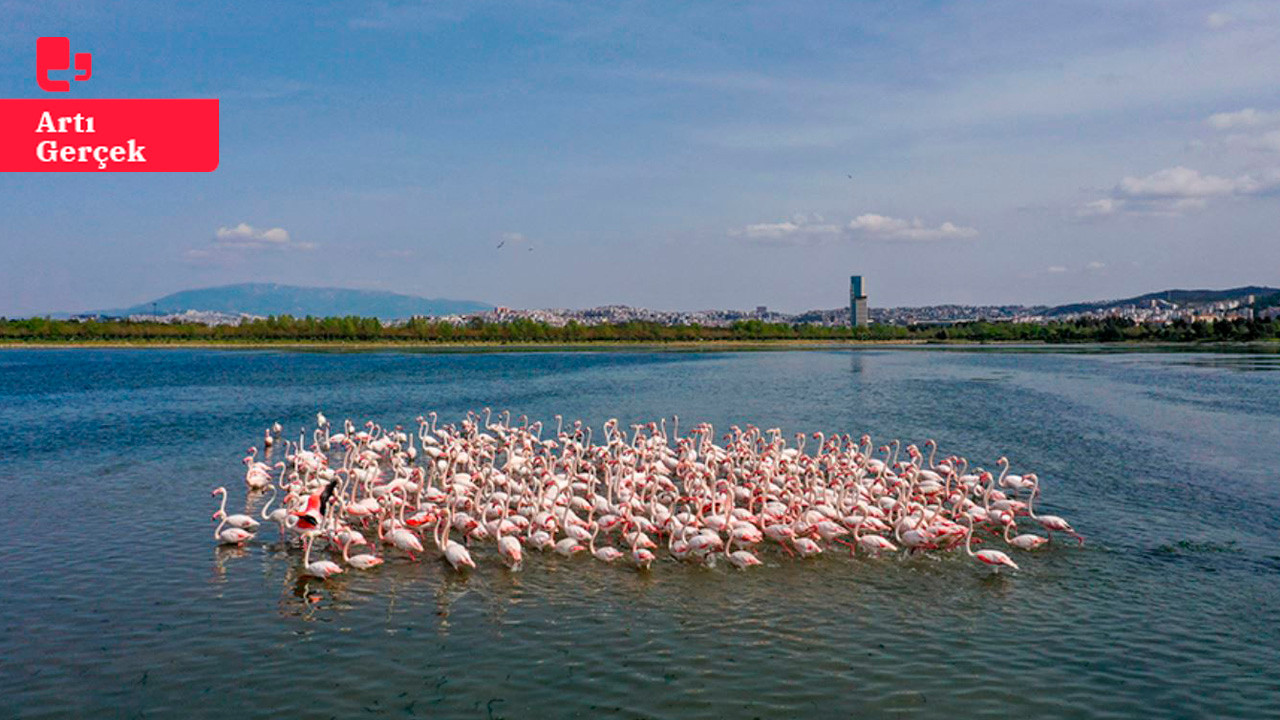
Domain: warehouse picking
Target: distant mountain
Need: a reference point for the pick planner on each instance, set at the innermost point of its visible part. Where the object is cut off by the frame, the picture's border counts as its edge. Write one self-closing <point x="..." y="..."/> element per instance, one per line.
<point x="273" y="299"/>
<point x="1181" y="297"/>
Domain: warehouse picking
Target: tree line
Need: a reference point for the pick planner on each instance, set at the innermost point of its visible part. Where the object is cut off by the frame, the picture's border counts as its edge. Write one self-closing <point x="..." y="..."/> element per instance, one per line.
<point x="285" y="328"/>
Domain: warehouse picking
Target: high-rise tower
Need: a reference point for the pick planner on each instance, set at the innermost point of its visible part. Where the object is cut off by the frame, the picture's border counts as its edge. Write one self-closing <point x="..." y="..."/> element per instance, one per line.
<point x="858" y="316"/>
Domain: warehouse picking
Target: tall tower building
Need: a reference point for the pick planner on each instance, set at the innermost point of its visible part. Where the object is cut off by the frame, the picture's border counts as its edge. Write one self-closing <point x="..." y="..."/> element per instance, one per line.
<point x="858" y="316"/>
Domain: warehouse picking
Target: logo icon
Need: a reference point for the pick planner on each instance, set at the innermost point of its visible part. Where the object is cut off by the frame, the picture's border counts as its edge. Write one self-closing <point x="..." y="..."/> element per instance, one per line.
<point x="54" y="53"/>
<point x="57" y="132"/>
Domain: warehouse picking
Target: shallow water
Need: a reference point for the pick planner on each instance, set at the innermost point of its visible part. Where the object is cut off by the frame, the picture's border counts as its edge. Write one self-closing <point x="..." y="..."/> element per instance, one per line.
<point x="114" y="601"/>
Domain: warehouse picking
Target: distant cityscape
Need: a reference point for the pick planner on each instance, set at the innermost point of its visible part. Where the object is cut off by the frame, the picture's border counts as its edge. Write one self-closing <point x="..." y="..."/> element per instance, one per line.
<point x="1147" y="311"/>
<point x="1139" y="310"/>
<point x="233" y="304"/>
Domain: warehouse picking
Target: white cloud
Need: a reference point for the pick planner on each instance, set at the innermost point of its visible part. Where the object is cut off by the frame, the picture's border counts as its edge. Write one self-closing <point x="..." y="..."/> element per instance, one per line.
<point x="1183" y="182"/>
<point x="1092" y="266"/>
<point x="889" y="228"/>
<point x="800" y="229"/>
<point x="803" y="229"/>
<point x="246" y="236"/>
<point x="1218" y="20"/>
<point x="1256" y="131"/>
<point x="1247" y="117"/>
<point x="1101" y="207"/>
<point x="1176" y="190"/>
<point x="232" y="242"/>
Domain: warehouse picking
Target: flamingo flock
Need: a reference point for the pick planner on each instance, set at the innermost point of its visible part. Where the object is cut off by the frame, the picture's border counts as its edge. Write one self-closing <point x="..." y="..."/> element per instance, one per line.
<point x="502" y="490"/>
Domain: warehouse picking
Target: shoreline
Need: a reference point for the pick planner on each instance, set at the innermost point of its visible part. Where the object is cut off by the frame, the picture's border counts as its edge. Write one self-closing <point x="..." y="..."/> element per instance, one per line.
<point x="671" y="346"/>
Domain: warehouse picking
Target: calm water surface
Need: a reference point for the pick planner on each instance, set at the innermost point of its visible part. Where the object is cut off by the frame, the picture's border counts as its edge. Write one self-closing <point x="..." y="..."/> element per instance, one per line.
<point x="114" y="601"/>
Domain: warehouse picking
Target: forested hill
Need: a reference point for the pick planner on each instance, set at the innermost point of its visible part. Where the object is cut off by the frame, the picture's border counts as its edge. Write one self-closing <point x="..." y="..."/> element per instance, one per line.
<point x="272" y="299"/>
<point x="1180" y="297"/>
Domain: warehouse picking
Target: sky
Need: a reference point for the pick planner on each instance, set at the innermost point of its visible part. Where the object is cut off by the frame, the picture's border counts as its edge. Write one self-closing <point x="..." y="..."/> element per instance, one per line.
<point x="670" y="155"/>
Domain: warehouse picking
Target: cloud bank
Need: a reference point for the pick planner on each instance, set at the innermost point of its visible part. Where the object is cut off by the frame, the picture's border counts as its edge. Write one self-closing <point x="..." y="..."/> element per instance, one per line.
<point x="888" y="228"/>
<point x="1245" y="118"/>
<point x="245" y="235"/>
<point x="237" y="240"/>
<point x="803" y="229"/>
<point x="1175" y="190"/>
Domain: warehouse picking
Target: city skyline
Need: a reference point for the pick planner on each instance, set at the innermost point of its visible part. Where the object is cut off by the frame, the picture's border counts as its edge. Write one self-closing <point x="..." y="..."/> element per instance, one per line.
<point x="234" y="304"/>
<point x="666" y="156"/>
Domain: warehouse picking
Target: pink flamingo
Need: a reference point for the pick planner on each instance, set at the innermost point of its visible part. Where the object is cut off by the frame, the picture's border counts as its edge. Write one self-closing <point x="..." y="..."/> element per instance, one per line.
<point x="1051" y="523"/>
<point x="741" y="559"/>
<point x="320" y="568"/>
<point x="1025" y="541"/>
<point x="232" y="535"/>
<point x="457" y="555"/>
<point x="994" y="558"/>
<point x="244" y="522"/>
<point x="363" y="561"/>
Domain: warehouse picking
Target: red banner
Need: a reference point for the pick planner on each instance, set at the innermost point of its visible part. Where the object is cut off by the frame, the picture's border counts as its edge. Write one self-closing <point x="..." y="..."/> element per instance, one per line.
<point x="108" y="135"/>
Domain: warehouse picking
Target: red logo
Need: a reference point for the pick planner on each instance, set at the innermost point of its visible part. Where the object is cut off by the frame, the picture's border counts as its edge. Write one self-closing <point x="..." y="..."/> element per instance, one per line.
<point x="63" y="134"/>
<point x="54" y="53"/>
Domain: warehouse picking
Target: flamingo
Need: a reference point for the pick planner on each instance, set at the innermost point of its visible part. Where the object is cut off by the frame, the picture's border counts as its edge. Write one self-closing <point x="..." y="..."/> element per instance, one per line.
<point x="874" y="544"/>
<point x="642" y="557"/>
<point x="995" y="558"/>
<point x="741" y="559"/>
<point x="363" y="561"/>
<point x="1026" y="541"/>
<point x="321" y="569"/>
<point x="568" y="546"/>
<point x="509" y="545"/>
<point x="244" y="522"/>
<point x="1051" y="523"/>
<point x="405" y="540"/>
<point x="232" y="535"/>
<point x="605" y="553"/>
<point x="454" y="553"/>
<point x="704" y="493"/>
<point x="279" y="516"/>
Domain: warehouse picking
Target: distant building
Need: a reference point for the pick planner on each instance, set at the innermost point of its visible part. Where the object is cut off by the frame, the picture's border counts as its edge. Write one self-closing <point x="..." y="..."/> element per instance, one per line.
<point x="762" y="310"/>
<point x="858" y="314"/>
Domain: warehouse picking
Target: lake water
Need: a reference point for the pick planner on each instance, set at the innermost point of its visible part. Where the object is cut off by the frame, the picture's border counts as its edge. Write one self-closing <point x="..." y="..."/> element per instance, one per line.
<point x="114" y="601"/>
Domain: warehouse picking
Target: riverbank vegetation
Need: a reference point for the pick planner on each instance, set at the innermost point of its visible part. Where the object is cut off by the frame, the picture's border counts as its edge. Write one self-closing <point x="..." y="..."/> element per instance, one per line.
<point x="286" y="329"/>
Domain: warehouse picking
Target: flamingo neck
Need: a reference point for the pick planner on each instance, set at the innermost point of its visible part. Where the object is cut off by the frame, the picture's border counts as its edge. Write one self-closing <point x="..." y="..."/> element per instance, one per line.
<point x="270" y="500"/>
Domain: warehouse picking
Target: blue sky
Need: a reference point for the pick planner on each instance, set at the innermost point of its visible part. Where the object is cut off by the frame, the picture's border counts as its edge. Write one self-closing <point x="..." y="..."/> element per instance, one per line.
<point x="670" y="155"/>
